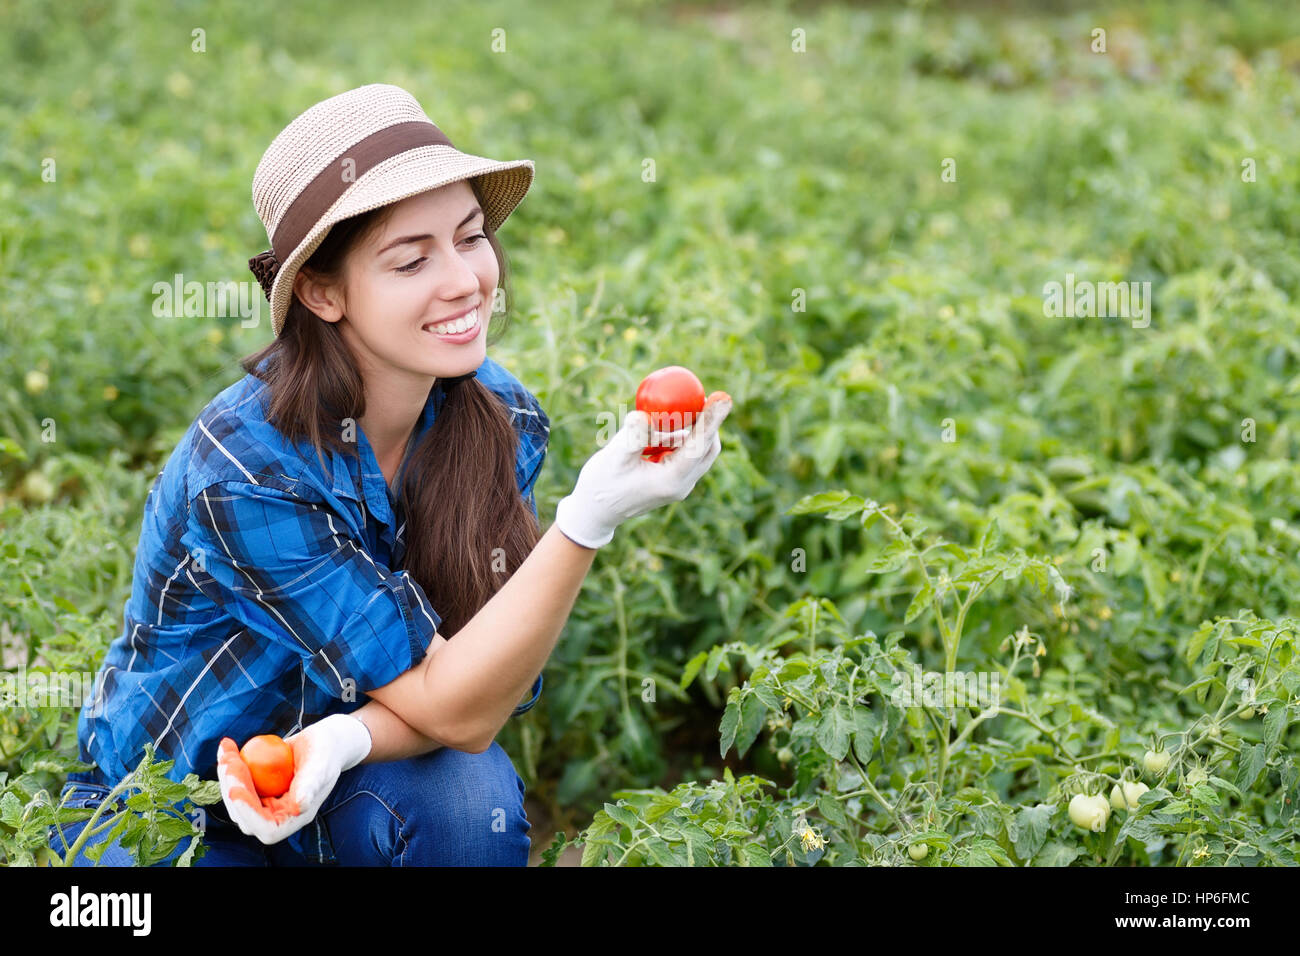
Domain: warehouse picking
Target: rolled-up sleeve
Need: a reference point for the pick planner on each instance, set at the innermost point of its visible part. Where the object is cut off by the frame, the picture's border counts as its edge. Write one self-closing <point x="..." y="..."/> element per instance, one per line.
<point x="528" y="705"/>
<point x="288" y="569"/>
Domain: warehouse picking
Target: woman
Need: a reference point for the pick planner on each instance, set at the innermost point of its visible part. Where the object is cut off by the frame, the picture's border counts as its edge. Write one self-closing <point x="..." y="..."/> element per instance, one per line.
<point x="362" y="496"/>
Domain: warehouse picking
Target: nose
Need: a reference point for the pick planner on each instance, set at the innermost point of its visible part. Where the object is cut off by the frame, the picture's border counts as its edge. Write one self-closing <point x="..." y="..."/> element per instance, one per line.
<point x="458" y="281"/>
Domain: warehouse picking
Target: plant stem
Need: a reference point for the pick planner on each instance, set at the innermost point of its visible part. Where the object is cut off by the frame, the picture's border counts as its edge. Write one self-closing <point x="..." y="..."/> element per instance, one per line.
<point x="870" y="788"/>
<point x="622" y="646"/>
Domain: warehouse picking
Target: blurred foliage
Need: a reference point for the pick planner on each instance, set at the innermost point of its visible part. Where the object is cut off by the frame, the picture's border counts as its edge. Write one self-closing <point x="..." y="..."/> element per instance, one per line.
<point x="780" y="178"/>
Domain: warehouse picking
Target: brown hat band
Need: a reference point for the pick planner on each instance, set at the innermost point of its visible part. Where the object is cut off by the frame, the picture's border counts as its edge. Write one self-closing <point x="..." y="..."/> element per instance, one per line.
<point x="323" y="191"/>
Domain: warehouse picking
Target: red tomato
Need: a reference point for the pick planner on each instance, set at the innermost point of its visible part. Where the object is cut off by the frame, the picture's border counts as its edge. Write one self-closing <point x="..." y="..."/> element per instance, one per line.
<point x="270" y="761"/>
<point x="672" y="397"/>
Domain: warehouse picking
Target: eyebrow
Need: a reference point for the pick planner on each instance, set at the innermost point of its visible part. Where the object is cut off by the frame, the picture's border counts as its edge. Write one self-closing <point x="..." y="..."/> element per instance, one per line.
<point x="476" y="211"/>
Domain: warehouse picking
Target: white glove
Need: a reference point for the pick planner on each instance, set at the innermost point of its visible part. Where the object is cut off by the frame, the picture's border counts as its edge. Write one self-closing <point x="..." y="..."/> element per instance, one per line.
<point x="321" y="752"/>
<point x="616" y="483"/>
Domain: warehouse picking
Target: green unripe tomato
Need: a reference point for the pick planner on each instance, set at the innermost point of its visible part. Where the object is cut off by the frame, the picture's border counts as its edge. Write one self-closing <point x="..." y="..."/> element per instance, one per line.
<point x="918" y="851"/>
<point x="1128" y="799"/>
<point x="1197" y="775"/>
<point x="785" y="755"/>
<point x="1089" y="811"/>
<point x="1214" y="732"/>
<point x="1155" y="761"/>
<point x="37" y="488"/>
<point x="36" y="381"/>
<point x="1246" y="713"/>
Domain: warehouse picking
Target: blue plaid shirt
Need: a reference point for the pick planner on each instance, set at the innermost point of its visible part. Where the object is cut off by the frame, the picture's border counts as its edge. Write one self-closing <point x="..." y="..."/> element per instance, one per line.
<point x="265" y="594"/>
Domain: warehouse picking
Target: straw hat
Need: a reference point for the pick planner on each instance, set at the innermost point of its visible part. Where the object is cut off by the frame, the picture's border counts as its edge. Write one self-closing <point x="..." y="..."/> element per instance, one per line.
<point x="352" y="153"/>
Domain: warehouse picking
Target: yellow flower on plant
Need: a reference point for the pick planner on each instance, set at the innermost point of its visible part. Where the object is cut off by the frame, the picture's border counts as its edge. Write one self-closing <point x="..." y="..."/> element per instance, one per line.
<point x="810" y="839"/>
<point x="629" y="334"/>
<point x="110" y="393"/>
<point x="215" y="336"/>
<point x="1201" y="853"/>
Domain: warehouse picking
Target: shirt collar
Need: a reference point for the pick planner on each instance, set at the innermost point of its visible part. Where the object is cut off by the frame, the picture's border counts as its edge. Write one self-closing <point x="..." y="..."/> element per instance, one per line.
<point x="360" y="477"/>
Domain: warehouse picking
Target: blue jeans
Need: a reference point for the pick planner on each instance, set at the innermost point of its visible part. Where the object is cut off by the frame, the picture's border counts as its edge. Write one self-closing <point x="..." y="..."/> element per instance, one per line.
<point x="443" y="808"/>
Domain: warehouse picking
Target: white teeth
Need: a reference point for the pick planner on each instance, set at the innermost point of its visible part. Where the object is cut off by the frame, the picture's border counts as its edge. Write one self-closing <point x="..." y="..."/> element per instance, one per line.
<point x="456" y="325"/>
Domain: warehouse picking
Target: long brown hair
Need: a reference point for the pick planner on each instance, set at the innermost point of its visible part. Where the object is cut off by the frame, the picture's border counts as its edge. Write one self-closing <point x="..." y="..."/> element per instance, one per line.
<point x="467" y="527"/>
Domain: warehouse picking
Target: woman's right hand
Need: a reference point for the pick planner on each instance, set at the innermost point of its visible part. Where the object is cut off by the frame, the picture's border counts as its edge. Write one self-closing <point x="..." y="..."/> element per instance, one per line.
<point x="616" y="483"/>
<point x="321" y="752"/>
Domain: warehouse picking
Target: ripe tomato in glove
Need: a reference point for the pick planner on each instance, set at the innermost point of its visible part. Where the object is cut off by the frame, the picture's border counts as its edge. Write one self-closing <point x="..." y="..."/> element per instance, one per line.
<point x="270" y="761"/>
<point x="672" y="397"/>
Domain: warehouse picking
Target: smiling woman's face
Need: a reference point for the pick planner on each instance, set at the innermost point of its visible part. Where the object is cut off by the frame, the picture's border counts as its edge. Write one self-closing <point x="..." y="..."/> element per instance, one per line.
<point x="430" y="262"/>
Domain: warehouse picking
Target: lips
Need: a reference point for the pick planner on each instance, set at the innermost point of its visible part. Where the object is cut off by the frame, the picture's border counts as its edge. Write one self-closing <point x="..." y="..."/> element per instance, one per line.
<point x="428" y="327"/>
<point x="464" y="334"/>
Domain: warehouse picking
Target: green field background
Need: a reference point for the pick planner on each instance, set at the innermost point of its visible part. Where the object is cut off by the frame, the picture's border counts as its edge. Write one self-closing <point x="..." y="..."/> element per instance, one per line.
<point x="798" y="154"/>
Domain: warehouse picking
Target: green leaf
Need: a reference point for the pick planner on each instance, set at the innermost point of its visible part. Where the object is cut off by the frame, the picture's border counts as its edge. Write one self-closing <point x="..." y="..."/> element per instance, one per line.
<point x="1212" y="646"/>
<point x="752" y="713"/>
<point x="1274" y="724"/>
<point x="717" y="660"/>
<point x="50" y="761"/>
<point x="730" y="722"/>
<point x="833" y="811"/>
<point x="1153" y="578"/>
<point x="891" y="557"/>
<point x="11" y="809"/>
<point x="662" y="854"/>
<point x="1252" y="763"/>
<point x="206" y="793"/>
<point x="1197" y="642"/>
<point x="833" y="732"/>
<point x="692" y="668"/>
<point x="593" y="851"/>
<point x="601" y="824"/>
<point x="623" y="815"/>
<point x="991" y="537"/>
<point x="865" y="733"/>
<point x="173" y="829"/>
<point x="1028" y="829"/>
<point x="755" y="855"/>
<point x="1057" y="854"/>
<point x="836" y="505"/>
<point x="768" y="695"/>
<point x="11" y="447"/>
<point x="919" y="603"/>
<point x="827" y="449"/>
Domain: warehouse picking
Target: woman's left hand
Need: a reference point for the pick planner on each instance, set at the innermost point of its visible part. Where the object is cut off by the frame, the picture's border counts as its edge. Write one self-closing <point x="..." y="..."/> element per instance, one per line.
<point x="321" y="752"/>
